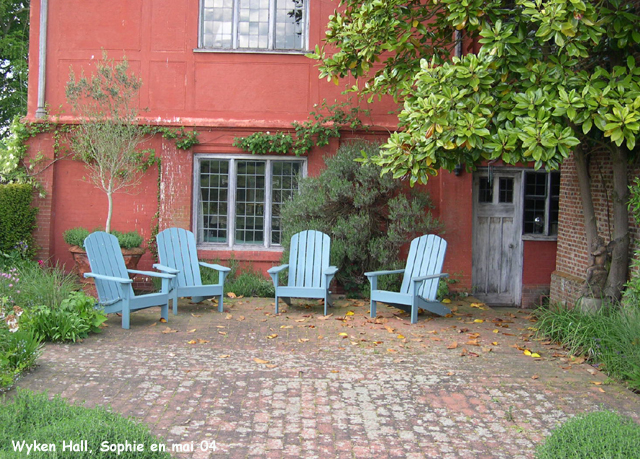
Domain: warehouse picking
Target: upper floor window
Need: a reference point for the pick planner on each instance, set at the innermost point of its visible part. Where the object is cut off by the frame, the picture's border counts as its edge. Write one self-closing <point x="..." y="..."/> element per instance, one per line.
<point x="253" y="24"/>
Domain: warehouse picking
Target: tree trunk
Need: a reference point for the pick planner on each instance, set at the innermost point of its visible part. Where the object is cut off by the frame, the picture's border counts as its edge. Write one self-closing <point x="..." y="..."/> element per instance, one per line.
<point x="620" y="236"/>
<point x="107" y="227"/>
<point x="590" y="226"/>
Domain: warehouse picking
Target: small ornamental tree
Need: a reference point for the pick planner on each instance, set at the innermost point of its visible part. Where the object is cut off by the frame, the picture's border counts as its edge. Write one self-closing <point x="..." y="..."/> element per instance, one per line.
<point x="550" y="78"/>
<point x="108" y="136"/>
<point x="369" y="217"/>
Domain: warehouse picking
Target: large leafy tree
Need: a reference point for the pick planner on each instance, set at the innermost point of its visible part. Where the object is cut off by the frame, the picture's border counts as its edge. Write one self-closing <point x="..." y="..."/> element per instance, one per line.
<point x="14" y="50"/>
<point x="536" y="81"/>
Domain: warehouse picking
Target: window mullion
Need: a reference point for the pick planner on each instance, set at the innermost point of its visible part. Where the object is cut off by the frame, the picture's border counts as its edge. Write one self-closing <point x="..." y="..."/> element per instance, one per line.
<point x="267" y="203"/>
<point x="231" y="203"/>
<point x="272" y="24"/>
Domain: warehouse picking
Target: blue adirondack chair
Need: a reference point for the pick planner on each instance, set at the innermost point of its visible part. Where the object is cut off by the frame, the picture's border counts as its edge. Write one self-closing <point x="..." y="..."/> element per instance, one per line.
<point x="422" y="273"/>
<point x="309" y="270"/>
<point x="115" y="293"/>
<point x="178" y="255"/>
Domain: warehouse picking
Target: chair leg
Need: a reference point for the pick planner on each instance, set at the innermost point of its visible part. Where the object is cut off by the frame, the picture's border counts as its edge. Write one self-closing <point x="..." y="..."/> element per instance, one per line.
<point x="277" y="310"/>
<point x="174" y="301"/>
<point x="414" y="310"/>
<point x="164" y="310"/>
<point x="126" y="317"/>
<point x="221" y="303"/>
<point x="372" y="311"/>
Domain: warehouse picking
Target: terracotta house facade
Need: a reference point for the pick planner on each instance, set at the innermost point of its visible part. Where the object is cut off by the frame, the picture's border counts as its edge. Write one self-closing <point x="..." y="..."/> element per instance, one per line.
<point x="227" y="69"/>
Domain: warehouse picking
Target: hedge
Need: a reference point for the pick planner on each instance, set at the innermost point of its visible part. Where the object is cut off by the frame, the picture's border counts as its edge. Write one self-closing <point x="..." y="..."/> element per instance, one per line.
<point x="17" y="219"/>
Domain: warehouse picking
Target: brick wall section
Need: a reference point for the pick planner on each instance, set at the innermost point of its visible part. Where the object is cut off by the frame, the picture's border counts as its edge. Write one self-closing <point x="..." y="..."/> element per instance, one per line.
<point x="43" y="199"/>
<point x="573" y="257"/>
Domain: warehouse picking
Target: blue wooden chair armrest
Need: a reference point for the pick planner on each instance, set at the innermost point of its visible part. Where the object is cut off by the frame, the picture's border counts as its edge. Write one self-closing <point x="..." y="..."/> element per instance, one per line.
<point x="152" y="274"/>
<point x="423" y="278"/>
<point x="331" y="271"/>
<point x="120" y="280"/>
<point x="382" y="273"/>
<point x="166" y="269"/>
<point x="214" y="266"/>
<point x="277" y="269"/>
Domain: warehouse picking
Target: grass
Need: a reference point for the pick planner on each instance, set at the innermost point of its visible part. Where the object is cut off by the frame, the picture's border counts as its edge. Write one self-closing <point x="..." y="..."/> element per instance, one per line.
<point x="30" y="417"/>
<point x="610" y="338"/>
<point x="598" y="435"/>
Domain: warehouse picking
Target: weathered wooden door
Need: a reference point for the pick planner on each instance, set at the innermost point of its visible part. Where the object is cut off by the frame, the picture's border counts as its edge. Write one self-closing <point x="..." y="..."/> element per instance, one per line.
<point x="497" y="237"/>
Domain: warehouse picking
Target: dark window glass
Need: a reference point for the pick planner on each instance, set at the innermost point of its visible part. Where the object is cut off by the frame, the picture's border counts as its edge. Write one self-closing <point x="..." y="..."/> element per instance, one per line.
<point x="485" y="190"/>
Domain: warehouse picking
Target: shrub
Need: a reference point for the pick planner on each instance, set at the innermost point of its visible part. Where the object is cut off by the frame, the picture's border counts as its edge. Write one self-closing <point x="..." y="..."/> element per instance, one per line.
<point x="598" y="435"/>
<point x="17" y="219"/>
<point x="72" y="320"/>
<point x="245" y="282"/>
<point x="369" y="217"/>
<point x="76" y="236"/>
<point x="631" y="295"/>
<point x="609" y="337"/>
<point x="29" y="417"/>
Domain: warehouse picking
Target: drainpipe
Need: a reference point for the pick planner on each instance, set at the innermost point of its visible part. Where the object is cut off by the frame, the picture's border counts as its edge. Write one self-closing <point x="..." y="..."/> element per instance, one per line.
<point x="41" y="112"/>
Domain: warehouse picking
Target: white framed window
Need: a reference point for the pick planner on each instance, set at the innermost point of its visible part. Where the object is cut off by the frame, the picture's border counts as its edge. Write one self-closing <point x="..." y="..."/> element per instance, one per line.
<point x="238" y="198"/>
<point x="541" y="203"/>
<point x="253" y="25"/>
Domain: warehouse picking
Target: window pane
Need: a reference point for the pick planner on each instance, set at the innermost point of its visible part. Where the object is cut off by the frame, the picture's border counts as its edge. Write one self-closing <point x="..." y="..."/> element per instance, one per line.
<point x="214" y="184"/>
<point x="217" y="24"/>
<point x="250" y="202"/>
<point x="289" y="25"/>
<point x="534" y="215"/>
<point x="535" y="184"/>
<point x="253" y="24"/>
<point x="283" y="186"/>
<point x="485" y="190"/>
<point x="505" y="193"/>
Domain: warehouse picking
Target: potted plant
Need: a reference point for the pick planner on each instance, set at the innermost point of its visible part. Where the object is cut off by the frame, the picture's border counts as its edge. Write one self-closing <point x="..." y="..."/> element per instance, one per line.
<point x="130" y="244"/>
<point x="107" y="139"/>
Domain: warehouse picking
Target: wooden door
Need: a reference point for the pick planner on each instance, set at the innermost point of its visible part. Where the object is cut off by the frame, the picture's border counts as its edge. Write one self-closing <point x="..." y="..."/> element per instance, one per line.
<point x="497" y="237"/>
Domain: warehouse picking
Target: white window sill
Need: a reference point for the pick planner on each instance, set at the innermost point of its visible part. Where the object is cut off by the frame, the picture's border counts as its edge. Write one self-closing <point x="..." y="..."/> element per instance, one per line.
<point x="295" y="52"/>
<point x="538" y="237"/>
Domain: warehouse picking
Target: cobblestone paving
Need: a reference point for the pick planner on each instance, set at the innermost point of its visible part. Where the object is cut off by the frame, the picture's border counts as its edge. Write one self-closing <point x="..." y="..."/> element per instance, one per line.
<point x="299" y="385"/>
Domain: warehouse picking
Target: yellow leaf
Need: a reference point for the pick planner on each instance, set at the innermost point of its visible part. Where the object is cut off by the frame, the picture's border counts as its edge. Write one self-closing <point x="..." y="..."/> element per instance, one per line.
<point x="389" y="329"/>
<point x="479" y="321"/>
<point x="202" y="341"/>
<point x="391" y="350"/>
<point x="597" y="383"/>
<point x="349" y="313"/>
<point x="229" y="317"/>
<point x="231" y="295"/>
<point x="303" y="340"/>
<point x="225" y="356"/>
<point x="256" y="360"/>
<point x="446" y="301"/>
<point x="415" y="23"/>
<point x="164" y="321"/>
<point x="286" y="326"/>
<point x="495" y="343"/>
<point x="344" y="335"/>
<point x="496" y="331"/>
<point x="400" y="337"/>
<point x="191" y="331"/>
<point x="535" y="355"/>
<point x="527" y="352"/>
<point x="275" y="335"/>
<point x="193" y="341"/>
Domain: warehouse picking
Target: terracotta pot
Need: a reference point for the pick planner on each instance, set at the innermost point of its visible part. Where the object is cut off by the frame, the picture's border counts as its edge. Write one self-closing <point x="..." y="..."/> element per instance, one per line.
<point x="81" y="266"/>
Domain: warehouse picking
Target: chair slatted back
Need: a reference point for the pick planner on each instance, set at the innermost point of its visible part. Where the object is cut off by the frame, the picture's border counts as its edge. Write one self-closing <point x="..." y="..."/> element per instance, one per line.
<point x="308" y="258"/>
<point x="426" y="257"/>
<point x="177" y="249"/>
<point x="105" y="257"/>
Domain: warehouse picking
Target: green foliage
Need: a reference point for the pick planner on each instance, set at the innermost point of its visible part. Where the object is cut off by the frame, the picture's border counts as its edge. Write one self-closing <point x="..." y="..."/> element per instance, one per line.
<point x="17" y="219"/>
<point x="29" y="417"/>
<point x="245" y="282"/>
<point x="549" y="76"/>
<point x="184" y="139"/>
<point x="14" y="55"/>
<point x="368" y="216"/>
<point x="609" y="337"/>
<point x="73" y="319"/>
<point x="76" y="236"/>
<point x="597" y="435"/>
<point x="108" y="137"/>
<point x="325" y="122"/>
<point x="631" y="295"/>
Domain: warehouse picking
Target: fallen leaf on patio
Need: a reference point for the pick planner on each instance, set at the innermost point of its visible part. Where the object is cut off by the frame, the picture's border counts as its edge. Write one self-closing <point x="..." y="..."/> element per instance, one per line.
<point x="496" y="331"/>
<point x="193" y="341"/>
<point x="320" y="337"/>
<point x="473" y="342"/>
<point x="527" y="352"/>
<point x="225" y="356"/>
<point x="487" y="350"/>
<point x="577" y="360"/>
<point x="221" y="326"/>
<point x="271" y="366"/>
<point x="286" y="326"/>
<point x="446" y="301"/>
<point x="169" y="330"/>
<point x="301" y="320"/>
<point x="231" y="295"/>
<point x="191" y="331"/>
<point x="378" y="342"/>
<point x="495" y="343"/>
<point x="389" y="329"/>
<point x="535" y="355"/>
<point x="303" y="340"/>
<point x="593" y="371"/>
<point x="325" y="317"/>
<point x="435" y="338"/>
<point x="202" y="341"/>
<point x="479" y="321"/>
<point x="240" y="318"/>
<point x="344" y="335"/>
<point x="600" y="389"/>
<point x="535" y="377"/>
<point x="479" y="306"/>
<point x="508" y="334"/>
<point x="162" y="320"/>
<point x="392" y="350"/>
<point x="196" y="315"/>
<point x="400" y="337"/>
<point x="257" y="360"/>
<point x="275" y="335"/>
<point x="222" y="333"/>
<point x="349" y="313"/>
<point x="229" y="317"/>
<point x="453" y="345"/>
<point x="152" y="325"/>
